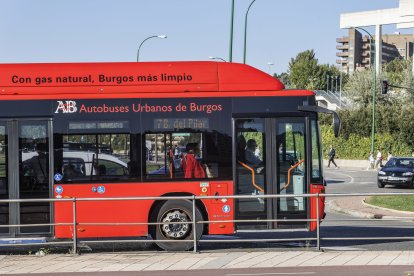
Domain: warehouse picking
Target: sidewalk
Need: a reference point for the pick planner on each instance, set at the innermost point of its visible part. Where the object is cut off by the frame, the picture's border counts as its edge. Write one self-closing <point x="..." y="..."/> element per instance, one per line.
<point x="156" y="261"/>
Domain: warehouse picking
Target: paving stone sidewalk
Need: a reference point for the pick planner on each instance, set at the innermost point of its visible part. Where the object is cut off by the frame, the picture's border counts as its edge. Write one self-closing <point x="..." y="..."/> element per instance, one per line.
<point x="138" y="261"/>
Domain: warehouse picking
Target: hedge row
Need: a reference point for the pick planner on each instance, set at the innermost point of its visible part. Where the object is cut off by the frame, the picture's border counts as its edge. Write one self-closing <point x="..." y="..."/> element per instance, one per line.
<point x="394" y="130"/>
<point x="355" y="146"/>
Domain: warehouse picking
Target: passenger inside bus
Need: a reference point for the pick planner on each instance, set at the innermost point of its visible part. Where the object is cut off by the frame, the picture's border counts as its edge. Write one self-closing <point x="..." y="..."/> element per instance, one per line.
<point x="191" y="166"/>
<point x="69" y="172"/>
<point x="250" y="155"/>
<point x="133" y="169"/>
<point x="39" y="164"/>
<point x="100" y="170"/>
<point x="241" y="149"/>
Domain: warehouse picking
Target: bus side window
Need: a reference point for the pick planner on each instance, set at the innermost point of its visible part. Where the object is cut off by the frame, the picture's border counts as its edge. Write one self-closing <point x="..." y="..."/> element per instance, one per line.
<point x="78" y="156"/>
<point x="167" y="155"/>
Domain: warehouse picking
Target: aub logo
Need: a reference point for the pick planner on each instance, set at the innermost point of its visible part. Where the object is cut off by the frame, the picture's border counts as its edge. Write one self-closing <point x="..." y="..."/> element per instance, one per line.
<point x="66" y="107"/>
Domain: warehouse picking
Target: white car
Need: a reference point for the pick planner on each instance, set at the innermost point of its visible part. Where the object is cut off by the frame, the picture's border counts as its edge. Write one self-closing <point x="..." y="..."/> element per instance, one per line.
<point x="81" y="164"/>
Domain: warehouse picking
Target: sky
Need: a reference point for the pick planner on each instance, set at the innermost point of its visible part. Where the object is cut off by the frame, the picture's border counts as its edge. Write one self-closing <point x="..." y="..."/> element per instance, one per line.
<point x="111" y="30"/>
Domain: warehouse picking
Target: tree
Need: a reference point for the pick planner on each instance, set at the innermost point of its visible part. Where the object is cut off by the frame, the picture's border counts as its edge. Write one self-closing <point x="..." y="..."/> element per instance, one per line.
<point x="304" y="71"/>
<point x="359" y="87"/>
<point x="284" y="78"/>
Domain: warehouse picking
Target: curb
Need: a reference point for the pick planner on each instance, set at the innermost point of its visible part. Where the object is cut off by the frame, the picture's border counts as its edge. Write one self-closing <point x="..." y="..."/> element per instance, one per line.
<point x="332" y="205"/>
<point x="389" y="210"/>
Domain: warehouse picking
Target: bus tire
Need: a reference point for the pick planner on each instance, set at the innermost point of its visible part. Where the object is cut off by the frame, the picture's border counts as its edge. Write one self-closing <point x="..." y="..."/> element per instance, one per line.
<point x="179" y="211"/>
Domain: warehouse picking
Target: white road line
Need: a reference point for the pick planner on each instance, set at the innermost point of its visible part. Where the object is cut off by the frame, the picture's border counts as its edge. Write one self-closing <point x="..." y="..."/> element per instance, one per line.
<point x="336" y="173"/>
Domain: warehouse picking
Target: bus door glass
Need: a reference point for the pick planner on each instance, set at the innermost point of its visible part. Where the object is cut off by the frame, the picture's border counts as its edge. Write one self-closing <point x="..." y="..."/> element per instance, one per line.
<point x="34" y="176"/>
<point x="291" y="167"/>
<point x="4" y="182"/>
<point x="270" y="159"/>
<point x="250" y="168"/>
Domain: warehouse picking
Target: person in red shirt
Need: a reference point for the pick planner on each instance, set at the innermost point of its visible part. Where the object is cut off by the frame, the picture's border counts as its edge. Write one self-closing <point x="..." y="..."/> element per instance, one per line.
<point x="191" y="166"/>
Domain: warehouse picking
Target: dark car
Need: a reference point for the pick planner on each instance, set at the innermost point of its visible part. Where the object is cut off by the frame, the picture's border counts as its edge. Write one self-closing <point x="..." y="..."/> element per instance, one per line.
<point x="397" y="171"/>
<point x="166" y="169"/>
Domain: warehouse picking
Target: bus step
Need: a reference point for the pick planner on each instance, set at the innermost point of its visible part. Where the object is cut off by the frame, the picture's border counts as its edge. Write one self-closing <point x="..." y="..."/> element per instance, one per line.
<point x="22" y="240"/>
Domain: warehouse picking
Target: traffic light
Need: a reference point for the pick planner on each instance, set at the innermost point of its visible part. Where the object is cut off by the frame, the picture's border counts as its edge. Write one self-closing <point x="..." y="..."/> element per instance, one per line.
<point x="384" y="87"/>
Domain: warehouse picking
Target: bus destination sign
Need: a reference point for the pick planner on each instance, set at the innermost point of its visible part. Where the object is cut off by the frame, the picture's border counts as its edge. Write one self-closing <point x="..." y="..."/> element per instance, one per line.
<point x="181" y="123"/>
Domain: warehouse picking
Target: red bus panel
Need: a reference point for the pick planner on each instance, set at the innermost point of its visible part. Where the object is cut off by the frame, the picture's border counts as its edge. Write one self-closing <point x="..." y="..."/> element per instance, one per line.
<point x="134" y="211"/>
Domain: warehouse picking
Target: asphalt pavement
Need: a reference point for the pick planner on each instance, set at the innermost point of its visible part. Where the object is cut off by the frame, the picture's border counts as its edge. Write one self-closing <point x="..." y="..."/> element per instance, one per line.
<point x="356" y="206"/>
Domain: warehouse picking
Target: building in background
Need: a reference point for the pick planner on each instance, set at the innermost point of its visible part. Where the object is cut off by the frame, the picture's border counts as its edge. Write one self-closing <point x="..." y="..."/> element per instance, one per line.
<point x="356" y="52"/>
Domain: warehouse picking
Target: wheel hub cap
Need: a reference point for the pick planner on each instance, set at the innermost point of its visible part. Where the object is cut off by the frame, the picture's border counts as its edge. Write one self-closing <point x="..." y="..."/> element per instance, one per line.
<point x="175" y="230"/>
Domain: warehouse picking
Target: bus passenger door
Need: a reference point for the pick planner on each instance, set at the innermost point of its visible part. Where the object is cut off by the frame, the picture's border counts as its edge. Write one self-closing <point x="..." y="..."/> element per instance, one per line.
<point x="270" y="160"/>
<point x="24" y="174"/>
<point x="4" y="181"/>
<point x="290" y="171"/>
<point x="250" y="175"/>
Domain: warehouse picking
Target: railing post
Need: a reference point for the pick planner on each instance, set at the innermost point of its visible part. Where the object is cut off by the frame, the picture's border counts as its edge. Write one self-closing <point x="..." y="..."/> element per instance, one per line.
<point x="194" y="224"/>
<point x="318" y="238"/>
<point x="75" y="238"/>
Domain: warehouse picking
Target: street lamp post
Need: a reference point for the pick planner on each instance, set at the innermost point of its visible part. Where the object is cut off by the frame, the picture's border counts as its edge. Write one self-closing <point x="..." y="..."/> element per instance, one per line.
<point x="217" y="58"/>
<point x="340" y="88"/>
<point x="374" y="84"/>
<point x="231" y="32"/>
<point x="245" y="31"/>
<point x="153" y="36"/>
<point x="327" y="83"/>
<point x="270" y="64"/>
<point x="336" y="83"/>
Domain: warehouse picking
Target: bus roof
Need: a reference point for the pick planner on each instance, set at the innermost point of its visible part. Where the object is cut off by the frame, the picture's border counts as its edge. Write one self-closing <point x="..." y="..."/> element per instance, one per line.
<point x="113" y="79"/>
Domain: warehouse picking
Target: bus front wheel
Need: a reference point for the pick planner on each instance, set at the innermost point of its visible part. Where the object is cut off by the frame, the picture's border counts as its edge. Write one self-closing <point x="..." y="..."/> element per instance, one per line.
<point x="176" y="225"/>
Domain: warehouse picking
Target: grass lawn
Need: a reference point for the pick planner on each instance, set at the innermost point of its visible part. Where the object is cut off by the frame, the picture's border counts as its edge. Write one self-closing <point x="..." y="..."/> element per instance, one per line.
<point x="401" y="203"/>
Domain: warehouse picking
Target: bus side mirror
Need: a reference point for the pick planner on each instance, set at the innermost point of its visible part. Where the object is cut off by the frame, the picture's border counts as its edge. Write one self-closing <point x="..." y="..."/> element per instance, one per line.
<point x="319" y="109"/>
<point x="336" y="124"/>
<point x="384" y="87"/>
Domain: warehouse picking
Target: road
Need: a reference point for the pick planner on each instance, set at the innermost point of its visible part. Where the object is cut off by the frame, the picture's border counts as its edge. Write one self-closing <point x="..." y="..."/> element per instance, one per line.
<point x="357" y="181"/>
<point x="363" y="181"/>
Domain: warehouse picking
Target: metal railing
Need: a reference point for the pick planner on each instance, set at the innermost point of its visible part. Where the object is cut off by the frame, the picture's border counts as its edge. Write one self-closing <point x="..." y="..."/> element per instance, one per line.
<point x="318" y="239"/>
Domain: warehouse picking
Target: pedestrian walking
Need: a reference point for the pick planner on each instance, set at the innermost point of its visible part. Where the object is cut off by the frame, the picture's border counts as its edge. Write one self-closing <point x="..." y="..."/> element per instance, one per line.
<point x="379" y="159"/>
<point x="371" y="160"/>
<point x="332" y="157"/>
<point x="389" y="156"/>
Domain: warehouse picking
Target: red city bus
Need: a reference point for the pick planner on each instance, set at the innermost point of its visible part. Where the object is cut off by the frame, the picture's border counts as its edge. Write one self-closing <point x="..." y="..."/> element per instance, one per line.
<point x="155" y="129"/>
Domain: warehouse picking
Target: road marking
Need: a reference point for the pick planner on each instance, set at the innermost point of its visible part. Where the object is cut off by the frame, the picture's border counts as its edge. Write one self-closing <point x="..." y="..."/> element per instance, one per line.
<point x="275" y="273"/>
<point x="336" y="173"/>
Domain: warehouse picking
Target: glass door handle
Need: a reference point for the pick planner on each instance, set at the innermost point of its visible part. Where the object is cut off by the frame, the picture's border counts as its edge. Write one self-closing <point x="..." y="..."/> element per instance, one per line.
<point x="253" y="179"/>
<point x="289" y="172"/>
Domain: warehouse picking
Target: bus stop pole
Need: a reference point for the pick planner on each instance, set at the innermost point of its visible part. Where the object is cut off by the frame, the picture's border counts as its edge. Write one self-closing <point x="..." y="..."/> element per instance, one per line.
<point x="194" y="225"/>
<point x="318" y="238"/>
<point x="75" y="238"/>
